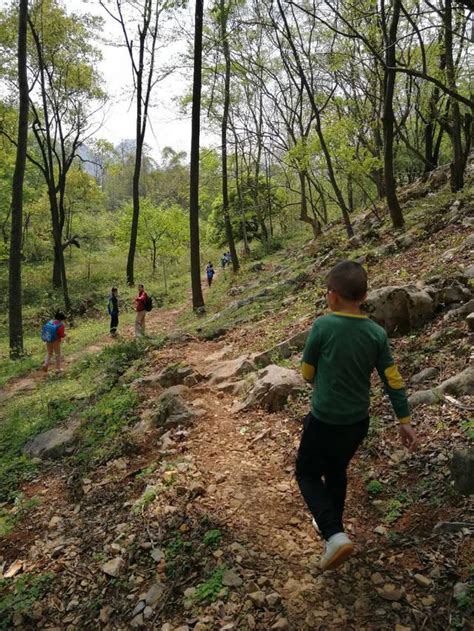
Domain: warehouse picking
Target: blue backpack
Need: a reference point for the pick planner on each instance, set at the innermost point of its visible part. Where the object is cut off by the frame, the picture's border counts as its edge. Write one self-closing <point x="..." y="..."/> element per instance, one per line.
<point x="49" y="332"/>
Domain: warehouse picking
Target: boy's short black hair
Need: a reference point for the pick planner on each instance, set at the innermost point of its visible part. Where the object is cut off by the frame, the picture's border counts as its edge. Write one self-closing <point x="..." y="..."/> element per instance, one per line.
<point x="348" y="279"/>
<point x="59" y="315"/>
<point x="114" y="289"/>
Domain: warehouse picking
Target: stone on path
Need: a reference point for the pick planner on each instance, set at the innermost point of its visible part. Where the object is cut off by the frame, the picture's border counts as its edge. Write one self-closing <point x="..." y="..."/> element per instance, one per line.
<point x="425" y="375"/>
<point x="273" y="386"/>
<point x="231" y="369"/>
<point x="423" y="397"/>
<point x="391" y="592"/>
<point x="283" y="350"/>
<point x="422" y="581"/>
<point x="231" y="579"/>
<point x="52" y="444"/>
<point x="172" y="410"/>
<point x="462" y="471"/>
<point x="258" y="598"/>
<point x="113" y="567"/>
<point x="176" y="374"/>
<point x="154" y="594"/>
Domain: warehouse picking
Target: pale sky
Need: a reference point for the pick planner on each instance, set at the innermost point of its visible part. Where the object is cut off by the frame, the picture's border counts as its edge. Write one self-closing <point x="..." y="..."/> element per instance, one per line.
<point x="167" y="125"/>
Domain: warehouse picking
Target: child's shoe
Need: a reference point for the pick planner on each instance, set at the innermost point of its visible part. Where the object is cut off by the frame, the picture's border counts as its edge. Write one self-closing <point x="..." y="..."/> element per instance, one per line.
<point x="315" y="526"/>
<point x="338" y="548"/>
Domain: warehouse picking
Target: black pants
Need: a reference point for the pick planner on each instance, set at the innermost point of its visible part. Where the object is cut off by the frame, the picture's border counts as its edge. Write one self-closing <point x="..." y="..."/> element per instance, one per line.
<point x="113" y="323"/>
<point x="325" y="452"/>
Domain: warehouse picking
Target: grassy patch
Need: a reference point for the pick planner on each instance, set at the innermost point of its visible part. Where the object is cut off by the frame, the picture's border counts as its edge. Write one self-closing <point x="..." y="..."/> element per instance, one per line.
<point x="374" y="487"/>
<point x="22" y="418"/>
<point x="28" y="589"/>
<point x="212" y="537"/>
<point x="211" y="589"/>
<point x="393" y="512"/>
<point x="90" y="392"/>
<point x="102" y="425"/>
<point x="145" y="500"/>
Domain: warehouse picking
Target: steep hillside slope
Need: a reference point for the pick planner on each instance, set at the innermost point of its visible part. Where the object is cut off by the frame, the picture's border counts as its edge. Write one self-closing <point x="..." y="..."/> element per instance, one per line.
<point x="163" y="494"/>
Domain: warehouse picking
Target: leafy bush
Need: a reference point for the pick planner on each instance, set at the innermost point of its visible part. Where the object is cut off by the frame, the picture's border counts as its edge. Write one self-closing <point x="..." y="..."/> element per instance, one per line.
<point x="209" y="591"/>
<point x="28" y="589"/>
<point x="374" y="487"/>
<point x="212" y="537"/>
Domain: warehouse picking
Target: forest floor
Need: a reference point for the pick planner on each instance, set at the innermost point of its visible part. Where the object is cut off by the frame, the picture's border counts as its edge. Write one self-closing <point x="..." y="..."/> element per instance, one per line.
<point x="203" y="528"/>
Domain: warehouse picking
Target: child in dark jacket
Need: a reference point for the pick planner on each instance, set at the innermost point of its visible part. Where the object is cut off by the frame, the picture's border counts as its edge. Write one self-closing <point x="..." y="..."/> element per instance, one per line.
<point x="113" y="309"/>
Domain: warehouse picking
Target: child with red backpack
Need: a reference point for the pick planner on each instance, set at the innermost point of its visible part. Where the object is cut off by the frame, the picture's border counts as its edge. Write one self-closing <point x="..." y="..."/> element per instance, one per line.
<point x="53" y="333"/>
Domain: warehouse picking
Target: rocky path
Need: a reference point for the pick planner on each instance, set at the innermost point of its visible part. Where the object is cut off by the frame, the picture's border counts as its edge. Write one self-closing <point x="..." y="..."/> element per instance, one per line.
<point x="124" y="541"/>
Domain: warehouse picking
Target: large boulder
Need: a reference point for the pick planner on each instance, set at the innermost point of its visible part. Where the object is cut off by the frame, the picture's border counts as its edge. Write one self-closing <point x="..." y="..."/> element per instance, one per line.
<point x="450" y="291"/>
<point x="400" y="309"/>
<point x="462" y="471"/>
<point x="231" y="369"/>
<point x="272" y="387"/>
<point x="52" y="444"/>
<point x="175" y="374"/>
<point x="172" y="410"/>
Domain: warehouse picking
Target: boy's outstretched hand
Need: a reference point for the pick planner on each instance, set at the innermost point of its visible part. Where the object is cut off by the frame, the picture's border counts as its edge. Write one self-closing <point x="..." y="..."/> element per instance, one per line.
<point x="408" y="436"/>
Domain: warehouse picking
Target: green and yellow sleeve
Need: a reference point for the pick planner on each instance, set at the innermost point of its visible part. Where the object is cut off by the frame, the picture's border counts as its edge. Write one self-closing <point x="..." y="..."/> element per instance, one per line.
<point x="310" y="355"/>
<point x="393" y="383"/>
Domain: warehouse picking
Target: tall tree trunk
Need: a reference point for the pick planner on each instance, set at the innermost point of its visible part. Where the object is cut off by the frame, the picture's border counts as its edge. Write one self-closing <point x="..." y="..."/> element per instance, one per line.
<point x="198" y="300"/>
<point x="304" y="216"/>
<point x="135" y="191"/>
<point x="454" y="126"/>
<point x="239" y="196"/>
<point x="59" y="266"/>
<point x="388" y="116"/>
<point x="258" y="206"/>
<point x="225" y="119"/>
<point x="15" y="305"/>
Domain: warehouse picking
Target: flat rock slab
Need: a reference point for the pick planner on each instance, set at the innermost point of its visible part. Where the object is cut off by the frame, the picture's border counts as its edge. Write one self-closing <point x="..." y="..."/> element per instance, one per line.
<point x="425" y="375"/>
<point x="52" y="444"/>
<point x="231" y="369"/>
<point x="273" y="385"/>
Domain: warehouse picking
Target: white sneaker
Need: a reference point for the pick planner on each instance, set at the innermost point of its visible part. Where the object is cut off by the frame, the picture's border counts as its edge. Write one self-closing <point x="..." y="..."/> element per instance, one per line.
<point x="338" y="549"/>
<point x="315" y="526"/>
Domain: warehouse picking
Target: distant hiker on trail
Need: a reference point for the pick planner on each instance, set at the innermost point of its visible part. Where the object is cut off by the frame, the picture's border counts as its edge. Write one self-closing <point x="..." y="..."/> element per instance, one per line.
<point x="224" y="261"/>
<point x="141" y="306"/>
<point x="53" y="333"/>
<point x="210" y="271"/>
<point x="341" y="352"/>
<point x="113" y="309"/>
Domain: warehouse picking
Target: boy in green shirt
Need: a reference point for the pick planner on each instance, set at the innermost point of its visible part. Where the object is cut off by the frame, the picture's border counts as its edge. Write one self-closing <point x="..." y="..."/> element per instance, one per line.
<point x="341" y="352"/>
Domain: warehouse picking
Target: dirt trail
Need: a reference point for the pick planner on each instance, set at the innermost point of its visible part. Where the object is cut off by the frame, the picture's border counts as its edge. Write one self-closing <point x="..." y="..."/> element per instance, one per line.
<point x="158" y="322"/>
<point x="244" y="462"/>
